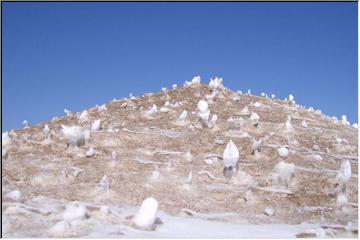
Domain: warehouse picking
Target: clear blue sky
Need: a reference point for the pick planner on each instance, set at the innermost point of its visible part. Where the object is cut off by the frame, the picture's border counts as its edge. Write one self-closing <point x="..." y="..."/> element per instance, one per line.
<point x="76" y="55"/>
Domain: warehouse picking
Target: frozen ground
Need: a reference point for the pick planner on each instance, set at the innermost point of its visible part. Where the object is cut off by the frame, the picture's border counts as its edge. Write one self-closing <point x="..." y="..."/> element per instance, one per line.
<point x="141" y="148"/>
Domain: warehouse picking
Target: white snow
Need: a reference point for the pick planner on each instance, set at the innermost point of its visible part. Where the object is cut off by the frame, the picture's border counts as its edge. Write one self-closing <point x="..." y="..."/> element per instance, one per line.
<point x="257" y="104"/>
<point x="269" y="211"/>
<point x="152" y="111"/>
<point x="183" y="115"/>
<point x="174" y="86"/>
<point x="203" y="110"/>
<point x="344" y="173"/>
<point x="68" y="113"/>
<point x="212" y="121"/>
<point x="195" y="81"/>
<point x="14" y="195"/>
<point x="76" y="135"/>
<point x="146" y="216"/>
<point x="60" y="229"/>
<point x="84" y="116"/>
<point x="96" y="125"/>
<point x="26" y="124"/>
<point x="215" y="83"/>
<point x="46" y="129"/>
<point x="104" y="183"/>
<point x="288" y="126"/>
<point x="5" y="139"/>
<point x="90" y="152"/>
<point x="291" y="98"/>
<point x="188" y="156"/>
<point x="273" y="95"/>
<point x="254" y="117"/>
<point x="245" y="111"/>
<point x="285" y="172"/>
<point x="231" y="155"/>
<point x="74" y="211"/>
<point x="304" y="124"/>
<point x="114" y="155"/>
<point x="344" y="120"/>
<point x="283" y="152"/>
<point x="355" y="125"/>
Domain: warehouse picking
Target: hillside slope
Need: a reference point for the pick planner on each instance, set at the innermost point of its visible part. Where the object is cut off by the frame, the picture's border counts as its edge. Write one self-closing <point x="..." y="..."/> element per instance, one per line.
<point x="179" y="162"/>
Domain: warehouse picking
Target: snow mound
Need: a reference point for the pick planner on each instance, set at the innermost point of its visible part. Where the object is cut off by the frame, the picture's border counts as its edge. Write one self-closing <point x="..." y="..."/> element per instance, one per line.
<point x="74" y="211"/>
<point x="14" y="195"/>
<point x="76" y="135"/>
<point x="231" y="155"/>
<point x="245" y="111"/>
<point x="203" y="110"/>
<point x="146" y="216"/>
<point x="283" y="152"/>
<point x="96" y="125"/>
<point x="285" y="172"/>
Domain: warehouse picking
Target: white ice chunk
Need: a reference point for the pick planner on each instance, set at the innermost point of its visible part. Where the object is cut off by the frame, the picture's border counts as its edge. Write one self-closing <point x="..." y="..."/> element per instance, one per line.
<point x="14" y="195"/>
<point x="146" y="216"/>
<point x="285" y="171"/>
<point x="283" y="152"/>
<point x="96" y="125"/>
<point x="231" y="155"/>
<point x="344" y="174"/>
<point x="90" y="152"/>
<point x="46" y="129"/>
<point x="74" y="212"/>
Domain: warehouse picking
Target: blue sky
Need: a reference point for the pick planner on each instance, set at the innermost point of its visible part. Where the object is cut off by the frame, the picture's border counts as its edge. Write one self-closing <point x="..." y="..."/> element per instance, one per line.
<point x="76" y="55"/>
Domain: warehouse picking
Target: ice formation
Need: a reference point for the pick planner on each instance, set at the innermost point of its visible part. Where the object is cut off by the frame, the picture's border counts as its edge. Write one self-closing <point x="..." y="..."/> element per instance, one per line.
<point x="231" y="155"/>
<point x="285" y="172"/>
<point x="289" y="128"/>
<point x="203" y="110"/>
<point x="291" y="98"/>
<point x="90" y="152"/>
<point x="257" y="104"/>
<point x="152" y="111"/>
<point x="76" y="135"/>
<point x="84" y="116"/>
<point x="74" y="212"/>
<point x="188" y="156"/>
<point x="104" y="183"/>
<point x="68" y="113"/>
<point x="146" y="216"/>
<point x="344" y="120"/>
<point x="96" y="125"/>
<point x="195" y="81"/>
<point x="355" y="125"/>
<point x="60" y="229"/>
<point x="215" y="83"/>
<point x="213" y="120"/>
<point x="174" y="86"/>
<point x="14" y="195"/>
<point x="5" y="139"/>
<point x="255" y="147"/>
<point x="46" y="129"/>
<point x="344" y="173"/>
<point x="283" y="152"/>
<point x="245" y="111"/>
<point x="26" y="124"/>
<point x="254" y="118"/>
<point x="304" y="124"/>
<point x="273" y="96"/>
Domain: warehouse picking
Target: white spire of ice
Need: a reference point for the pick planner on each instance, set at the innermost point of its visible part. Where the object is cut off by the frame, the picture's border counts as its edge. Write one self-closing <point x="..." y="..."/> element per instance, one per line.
<point x="231" y="155"/>
<point x="26" y="124"/>
<point x="46" y="129"/>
